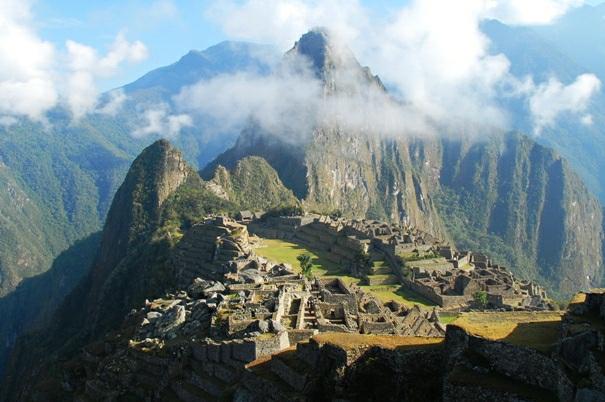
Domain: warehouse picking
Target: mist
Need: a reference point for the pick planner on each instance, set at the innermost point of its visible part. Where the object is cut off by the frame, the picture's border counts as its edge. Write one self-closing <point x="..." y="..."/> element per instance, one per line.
<point x="431" y="54"/>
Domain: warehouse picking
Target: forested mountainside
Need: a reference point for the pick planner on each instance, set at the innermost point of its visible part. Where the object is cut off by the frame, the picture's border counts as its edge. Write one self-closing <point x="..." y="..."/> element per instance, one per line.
<point x="59" y="184"/>
<point x="61" y="176"/>
<point x="536" y="52"/>
<point x="511" y="196"/>
<point x="160" y="198"/>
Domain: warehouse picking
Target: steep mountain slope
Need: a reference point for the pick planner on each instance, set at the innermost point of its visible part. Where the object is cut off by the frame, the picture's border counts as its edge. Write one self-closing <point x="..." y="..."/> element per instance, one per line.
<point x="61" y="177"/>
<point x="32" y="304"/>
<point x="60" y="183"/>
<point x="335" y="169"/>
<point x="253" y="184"/>
<point x="227" y="57"/>
<point x="518" y="199"/>
<point x="523" y="204"/>
<point x="159" y="200"/>
<point x="534" y="52"/>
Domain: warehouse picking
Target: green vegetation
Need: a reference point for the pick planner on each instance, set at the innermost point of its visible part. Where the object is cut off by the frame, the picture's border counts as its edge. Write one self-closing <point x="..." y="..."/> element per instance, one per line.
<point x="448" y="318"/>
<point x="190" y="203"/>
<point x="254" y="184"/>
<point x="57" y="186"/>
<point x="416" y="256"/>
<point x="399" y="294"/>
<point x="306" y="267"/>
<point x="362" y="263"/>
<point x="282" y="251"/>
<point x="286" y="252"/>
<point x="480" y="298"/>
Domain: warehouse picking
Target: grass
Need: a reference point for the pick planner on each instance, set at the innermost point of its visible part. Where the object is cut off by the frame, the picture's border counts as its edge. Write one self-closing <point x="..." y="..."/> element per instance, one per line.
<point x="381" y="268"/>
<point x="398" y="293"/>
<point x="448" y="318"/>
<point x="352" y="341"/>
<point x="281" y="251"/>
<point x="538" y="330"/>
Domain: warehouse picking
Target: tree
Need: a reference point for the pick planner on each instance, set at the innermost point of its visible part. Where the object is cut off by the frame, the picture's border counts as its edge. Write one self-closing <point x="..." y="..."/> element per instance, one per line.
<point x="363" y="263"/>
<point x="480" y="298"/>
<point x="306" y="267"/>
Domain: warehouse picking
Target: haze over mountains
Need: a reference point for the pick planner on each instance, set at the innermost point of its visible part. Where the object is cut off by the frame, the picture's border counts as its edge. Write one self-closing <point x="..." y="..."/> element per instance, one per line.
<point x="505" y="194"/>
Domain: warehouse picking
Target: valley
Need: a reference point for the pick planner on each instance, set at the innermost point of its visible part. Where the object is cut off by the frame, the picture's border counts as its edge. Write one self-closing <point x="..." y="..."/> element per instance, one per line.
<point x="251" y="223"/>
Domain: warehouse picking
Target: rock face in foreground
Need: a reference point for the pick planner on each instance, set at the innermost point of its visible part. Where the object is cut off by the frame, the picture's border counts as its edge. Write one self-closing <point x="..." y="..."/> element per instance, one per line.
<point x="543" y="359"/>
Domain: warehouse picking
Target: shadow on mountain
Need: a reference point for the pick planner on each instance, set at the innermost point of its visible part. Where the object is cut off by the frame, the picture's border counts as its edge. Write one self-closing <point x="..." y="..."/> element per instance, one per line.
<point x="32" y="304"/>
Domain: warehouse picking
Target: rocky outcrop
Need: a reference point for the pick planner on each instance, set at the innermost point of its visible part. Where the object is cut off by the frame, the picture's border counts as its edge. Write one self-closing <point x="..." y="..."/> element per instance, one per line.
<point x="252" y="184"/>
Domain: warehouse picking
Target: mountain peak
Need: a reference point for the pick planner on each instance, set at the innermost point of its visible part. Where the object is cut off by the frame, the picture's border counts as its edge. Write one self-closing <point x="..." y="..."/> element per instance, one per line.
<point x="324" y="51"/>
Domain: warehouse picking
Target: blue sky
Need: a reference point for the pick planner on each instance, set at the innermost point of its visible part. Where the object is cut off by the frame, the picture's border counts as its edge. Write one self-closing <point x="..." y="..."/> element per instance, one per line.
<point x="169" y="29"/>
<point x="167" y="32"/>
<point x="60" y="52"/>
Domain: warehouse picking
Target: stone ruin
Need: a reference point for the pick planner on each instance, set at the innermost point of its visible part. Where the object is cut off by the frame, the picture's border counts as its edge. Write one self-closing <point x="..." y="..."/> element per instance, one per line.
<point x="241" y="324"/>
<point x="230" y="293"/>
<point x="452" y="282"/>
<point x="414" y="259"/>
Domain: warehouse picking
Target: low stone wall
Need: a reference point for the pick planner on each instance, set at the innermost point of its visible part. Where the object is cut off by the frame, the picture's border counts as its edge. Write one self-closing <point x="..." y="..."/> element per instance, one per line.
<point x="378" y="328"/>
<point x="518" y="363"/>
<point x="296" y="336"/>
<point x="423" y="291"/>
<point x="239" y="352"/>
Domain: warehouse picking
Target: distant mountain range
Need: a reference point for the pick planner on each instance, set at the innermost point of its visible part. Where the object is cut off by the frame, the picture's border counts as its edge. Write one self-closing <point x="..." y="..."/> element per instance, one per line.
<point x="511" y="197"/>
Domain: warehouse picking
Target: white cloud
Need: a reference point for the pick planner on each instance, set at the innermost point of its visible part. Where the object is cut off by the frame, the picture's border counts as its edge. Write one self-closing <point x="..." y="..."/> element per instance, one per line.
<point x="291" y="102"/>
<point x="158" y="120"/>
<point x="86" y="66"/>
<point x="114" y="102"/>
<point x="549" y="100"/>
<point x="530" y="12"/>
<point x="431" y="52"/>
<point x="35" y="76"/>
<point x="27" y="85"/>
<point x="7" y="121"/>
<point x="282" y="22"/>
<point x="587" y="120"/>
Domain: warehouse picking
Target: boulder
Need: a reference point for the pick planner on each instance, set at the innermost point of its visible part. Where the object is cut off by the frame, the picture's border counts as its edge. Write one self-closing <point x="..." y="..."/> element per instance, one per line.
<point x="196" y="289"/>
<point x="215" y="287"/>
<point x="277" y="326"/>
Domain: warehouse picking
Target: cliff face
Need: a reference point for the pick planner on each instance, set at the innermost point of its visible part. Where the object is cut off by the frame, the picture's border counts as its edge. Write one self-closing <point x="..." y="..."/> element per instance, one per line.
<point x="504" y="194"/>
<point x="522" y="203"/>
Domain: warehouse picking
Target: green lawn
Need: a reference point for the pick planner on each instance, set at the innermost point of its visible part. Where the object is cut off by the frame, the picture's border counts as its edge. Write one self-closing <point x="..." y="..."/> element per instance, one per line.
<point x="281" y="251"/>
<point x="448" y="318"/>
<point x="399" y="294"/>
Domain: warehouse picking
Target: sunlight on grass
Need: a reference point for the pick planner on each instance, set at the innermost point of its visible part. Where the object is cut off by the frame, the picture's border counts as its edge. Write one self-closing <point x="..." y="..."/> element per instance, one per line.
<point x="539" y="330"/>
<point x="281" y="251"/>
<point x="399" y="294"/>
